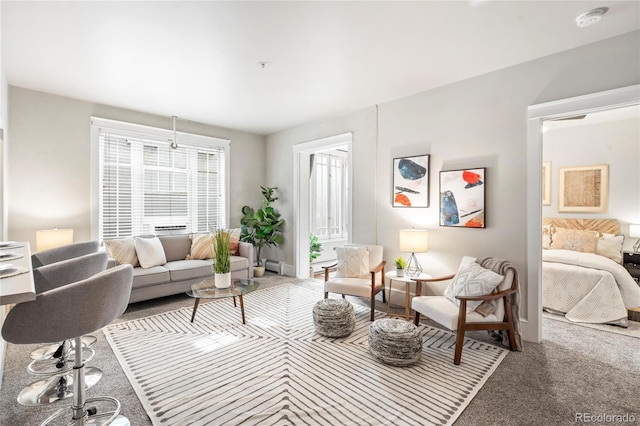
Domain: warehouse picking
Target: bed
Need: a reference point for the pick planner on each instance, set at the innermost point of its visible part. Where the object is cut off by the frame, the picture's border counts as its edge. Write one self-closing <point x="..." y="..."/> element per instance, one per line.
<point x="582" y="273"/>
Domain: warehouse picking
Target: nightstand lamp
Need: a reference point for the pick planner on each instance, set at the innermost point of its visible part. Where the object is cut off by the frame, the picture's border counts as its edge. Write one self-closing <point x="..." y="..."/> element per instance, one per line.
<point x="634" y="232"/>
<point x="414" y="241"/>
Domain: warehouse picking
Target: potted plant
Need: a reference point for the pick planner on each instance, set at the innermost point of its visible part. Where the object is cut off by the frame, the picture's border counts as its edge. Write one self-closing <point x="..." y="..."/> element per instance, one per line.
<point x="400" y="265"/>
<point x="262" y="227"/>
<point x="222" y="258"/>
<point x="315" y="247"/>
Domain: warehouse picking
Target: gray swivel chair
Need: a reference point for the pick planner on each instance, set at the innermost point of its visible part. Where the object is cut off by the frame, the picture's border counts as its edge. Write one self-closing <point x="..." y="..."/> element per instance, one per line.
<point x="73" y="310"/>
<point x="58" y="254"/>
<point x="53" y="255"/>
<point x="56" y="370"/>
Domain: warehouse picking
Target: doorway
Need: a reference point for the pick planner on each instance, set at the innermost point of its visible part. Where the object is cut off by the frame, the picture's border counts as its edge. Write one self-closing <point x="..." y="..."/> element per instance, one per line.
<point x="306" y="156"/>
<point x="537" y="115"/>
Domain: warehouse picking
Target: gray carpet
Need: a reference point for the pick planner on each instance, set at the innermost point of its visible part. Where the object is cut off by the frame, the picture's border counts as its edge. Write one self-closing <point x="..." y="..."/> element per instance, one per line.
<point x="575" y="370"/>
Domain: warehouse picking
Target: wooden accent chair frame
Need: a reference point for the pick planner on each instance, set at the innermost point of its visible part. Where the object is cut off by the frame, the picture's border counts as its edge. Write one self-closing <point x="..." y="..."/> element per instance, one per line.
<point x="363" y="287"/>
<point x="443" y="311"/>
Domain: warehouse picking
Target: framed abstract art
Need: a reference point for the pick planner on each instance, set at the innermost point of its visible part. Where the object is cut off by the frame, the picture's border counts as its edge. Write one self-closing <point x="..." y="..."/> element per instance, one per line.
<point x="462" y="194"/>
<point x="411" y="181"/>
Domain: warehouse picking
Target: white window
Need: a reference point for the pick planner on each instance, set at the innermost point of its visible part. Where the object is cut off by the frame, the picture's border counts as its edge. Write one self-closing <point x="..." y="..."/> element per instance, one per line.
<point x="329" y="195"/>
<point x="147" y="187"/>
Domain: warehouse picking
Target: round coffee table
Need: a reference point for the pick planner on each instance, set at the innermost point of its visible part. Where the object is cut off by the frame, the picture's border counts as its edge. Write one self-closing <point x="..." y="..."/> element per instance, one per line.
<point x="206" y="289"/>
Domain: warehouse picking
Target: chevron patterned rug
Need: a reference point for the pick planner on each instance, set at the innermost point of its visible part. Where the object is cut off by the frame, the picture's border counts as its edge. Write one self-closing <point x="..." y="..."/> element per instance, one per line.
<point x="276" y="370"/>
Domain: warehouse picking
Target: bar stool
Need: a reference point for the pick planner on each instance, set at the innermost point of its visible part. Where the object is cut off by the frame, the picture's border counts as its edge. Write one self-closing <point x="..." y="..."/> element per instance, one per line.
<point x="74" y="310"/>
<point x="56" y="369"/>
<point x="54" y="255"/>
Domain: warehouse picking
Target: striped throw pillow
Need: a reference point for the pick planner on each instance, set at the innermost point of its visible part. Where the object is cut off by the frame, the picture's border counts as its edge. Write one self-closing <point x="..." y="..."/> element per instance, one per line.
<point x="201" y="247"/>
<point x="123" y="250"/>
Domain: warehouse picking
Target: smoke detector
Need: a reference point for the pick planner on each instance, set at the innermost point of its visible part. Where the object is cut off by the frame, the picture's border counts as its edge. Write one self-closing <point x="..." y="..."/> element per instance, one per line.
<point x="591" y="17"/>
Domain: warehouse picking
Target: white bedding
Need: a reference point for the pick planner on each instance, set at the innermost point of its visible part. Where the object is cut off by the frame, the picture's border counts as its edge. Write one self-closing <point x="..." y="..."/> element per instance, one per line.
<point x="587" y="287"/>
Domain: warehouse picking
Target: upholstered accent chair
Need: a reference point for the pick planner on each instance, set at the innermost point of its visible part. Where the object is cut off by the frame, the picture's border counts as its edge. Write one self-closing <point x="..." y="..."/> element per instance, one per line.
<point x="359" y="272"/>
<point x="494" y="314"/>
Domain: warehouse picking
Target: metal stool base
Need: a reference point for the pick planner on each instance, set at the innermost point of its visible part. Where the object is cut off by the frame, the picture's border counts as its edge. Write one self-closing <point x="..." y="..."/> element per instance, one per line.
<point x="57" y="387"/>
<point x="48" y="351"/>
<point x="98" y="419"/>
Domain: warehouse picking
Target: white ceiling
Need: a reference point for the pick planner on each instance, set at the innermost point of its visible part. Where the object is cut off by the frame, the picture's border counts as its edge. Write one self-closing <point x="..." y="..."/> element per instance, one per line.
<point x="199" y="60"/>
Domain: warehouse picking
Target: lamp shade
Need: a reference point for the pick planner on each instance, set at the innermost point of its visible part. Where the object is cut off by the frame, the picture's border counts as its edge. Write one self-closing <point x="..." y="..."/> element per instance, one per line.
<point x="414" y="240"/>
<point x="51" y="238"/>
<point x="634" y="231"/>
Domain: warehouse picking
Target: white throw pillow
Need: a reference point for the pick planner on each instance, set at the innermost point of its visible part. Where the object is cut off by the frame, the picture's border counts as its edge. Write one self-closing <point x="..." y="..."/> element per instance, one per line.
<point x="610" y="246"/>
<point x="353" y="262"/>
<point x="150" y="252"/>
<point x="472" y="280"/>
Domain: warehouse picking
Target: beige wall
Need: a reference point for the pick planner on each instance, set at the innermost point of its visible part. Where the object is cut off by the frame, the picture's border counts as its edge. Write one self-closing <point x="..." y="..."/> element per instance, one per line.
<point x="49" y="163"/>
<point x="480" y="122"/>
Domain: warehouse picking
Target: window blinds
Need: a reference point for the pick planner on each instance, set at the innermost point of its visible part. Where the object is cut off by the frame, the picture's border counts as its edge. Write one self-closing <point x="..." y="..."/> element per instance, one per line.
<point x="328" y="202"/>
<point x="146" y="186"/>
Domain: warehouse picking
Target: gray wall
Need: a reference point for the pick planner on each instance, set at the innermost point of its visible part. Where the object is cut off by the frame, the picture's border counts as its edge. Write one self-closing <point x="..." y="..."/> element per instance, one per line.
<point x="3" y="126"/>
<point x="49" y="163"/>
<point x="615" y="143"/>
<point x="480" y="122"/>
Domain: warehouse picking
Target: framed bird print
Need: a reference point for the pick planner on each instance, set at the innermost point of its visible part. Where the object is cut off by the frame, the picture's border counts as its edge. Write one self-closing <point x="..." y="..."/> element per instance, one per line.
<point x="411" y="181"/>
<point x="462" y="194"/>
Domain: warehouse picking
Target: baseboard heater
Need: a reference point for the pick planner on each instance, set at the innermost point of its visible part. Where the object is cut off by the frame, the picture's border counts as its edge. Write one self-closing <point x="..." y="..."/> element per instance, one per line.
<point x="274" y="266"/>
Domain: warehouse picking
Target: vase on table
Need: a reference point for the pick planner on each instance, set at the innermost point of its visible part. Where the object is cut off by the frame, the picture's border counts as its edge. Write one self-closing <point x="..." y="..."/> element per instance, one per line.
<point x="399" y="272"/>
<point x="223" y="280"/>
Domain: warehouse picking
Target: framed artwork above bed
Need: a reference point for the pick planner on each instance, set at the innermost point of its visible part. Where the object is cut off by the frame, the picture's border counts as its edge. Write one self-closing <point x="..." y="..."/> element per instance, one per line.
<point x="583" y="189"/>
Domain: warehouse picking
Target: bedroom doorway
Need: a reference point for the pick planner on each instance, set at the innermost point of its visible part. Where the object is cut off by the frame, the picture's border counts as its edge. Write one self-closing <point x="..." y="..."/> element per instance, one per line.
<point x="538" y="115"/>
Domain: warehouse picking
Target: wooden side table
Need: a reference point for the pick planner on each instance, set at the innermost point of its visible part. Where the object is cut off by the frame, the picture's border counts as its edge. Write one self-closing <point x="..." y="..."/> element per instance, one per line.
<point x="407" y="280"/>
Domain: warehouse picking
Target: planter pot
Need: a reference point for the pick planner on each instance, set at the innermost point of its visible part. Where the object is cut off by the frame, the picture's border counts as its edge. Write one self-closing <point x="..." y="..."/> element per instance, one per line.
<point x="258" y="271"/>
<point x="399" y="273"/>
<point x="223" y="280"/>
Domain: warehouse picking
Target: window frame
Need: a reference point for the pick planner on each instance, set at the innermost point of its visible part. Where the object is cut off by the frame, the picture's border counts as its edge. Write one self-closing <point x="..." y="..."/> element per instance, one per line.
<point x="142" y="131"/>
<point x="332" y="182"/>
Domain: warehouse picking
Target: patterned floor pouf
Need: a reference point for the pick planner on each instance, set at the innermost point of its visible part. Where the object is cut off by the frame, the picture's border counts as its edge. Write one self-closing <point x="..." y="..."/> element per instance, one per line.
<point x="395" y="342"/>
<point x="334" y="317"/>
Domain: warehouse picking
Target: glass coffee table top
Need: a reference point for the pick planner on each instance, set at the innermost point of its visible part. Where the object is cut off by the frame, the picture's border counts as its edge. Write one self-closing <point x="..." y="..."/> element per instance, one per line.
<point x="206" y="289"/>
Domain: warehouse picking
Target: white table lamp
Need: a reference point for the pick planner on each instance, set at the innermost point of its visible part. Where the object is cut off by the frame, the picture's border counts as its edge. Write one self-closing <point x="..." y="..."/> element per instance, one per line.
<point x="414" y="241"/>
<point x="51" y="238"/>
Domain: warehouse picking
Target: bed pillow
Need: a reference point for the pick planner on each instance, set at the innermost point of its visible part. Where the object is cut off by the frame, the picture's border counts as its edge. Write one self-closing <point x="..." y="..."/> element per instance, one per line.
<point x="201" y="247"/>
<point x="574" y="239"/>
<point x="472" y="280"/>
<point x="353" y="262"/>
<point x="610" y="246"/>
<point x="546" y="237"/>
<point x="150" y="252"/>
<point x="123" y="250"/>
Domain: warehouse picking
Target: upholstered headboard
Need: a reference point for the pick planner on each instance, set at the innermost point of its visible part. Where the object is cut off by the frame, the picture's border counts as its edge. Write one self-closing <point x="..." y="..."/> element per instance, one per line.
<point x="604" y="226"/>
